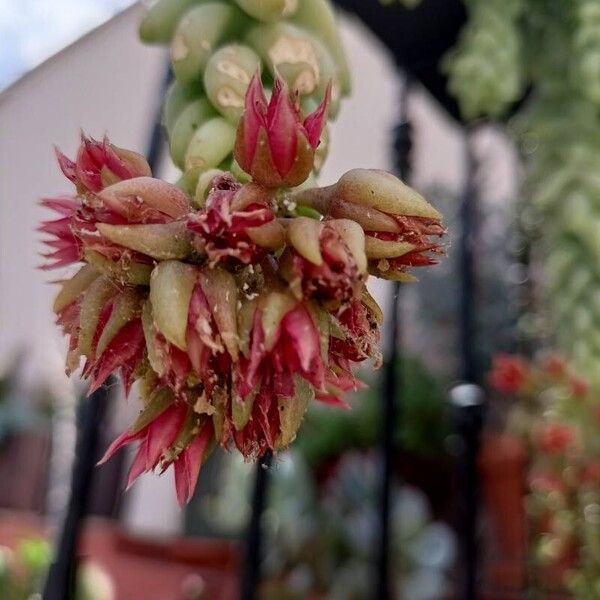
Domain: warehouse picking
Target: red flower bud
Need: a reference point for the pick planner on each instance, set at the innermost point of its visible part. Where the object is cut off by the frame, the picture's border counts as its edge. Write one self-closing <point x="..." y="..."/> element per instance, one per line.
<point x="399" y="224"/>
<point x="227" y="226"/>
<point x="104" y="326"/>
<point x="99" y="164"/>
<point x="119" y="213"/>
<point x="325" y="260"/>
<point x="274" y="144"/>
<point x="509" y="374"/>
<point x="277" y="374"/>
<point x="555" y="438"/>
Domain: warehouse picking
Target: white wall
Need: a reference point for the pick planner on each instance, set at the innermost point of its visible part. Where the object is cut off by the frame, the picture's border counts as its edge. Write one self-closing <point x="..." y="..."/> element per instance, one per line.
<point x="107" y="82"/>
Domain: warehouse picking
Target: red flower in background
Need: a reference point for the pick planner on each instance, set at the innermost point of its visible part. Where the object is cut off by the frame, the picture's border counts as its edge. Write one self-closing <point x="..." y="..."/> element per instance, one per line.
<point x="275" y="144"/>
<point x="591" y="473"/>
<point x="579" y="386"/>
<point x="509" y="374"/>
<point x="555" y="365"/>
<point x="555" y="438"/>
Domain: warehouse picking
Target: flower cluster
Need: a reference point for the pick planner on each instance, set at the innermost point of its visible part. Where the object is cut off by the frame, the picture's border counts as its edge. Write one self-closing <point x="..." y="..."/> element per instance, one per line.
<point x="557" y="417"/>
<point x="235" y="316"/>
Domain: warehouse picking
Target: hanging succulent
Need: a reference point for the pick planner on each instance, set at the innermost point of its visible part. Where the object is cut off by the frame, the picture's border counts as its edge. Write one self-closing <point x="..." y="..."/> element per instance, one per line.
<point x="553" y="49"/>
<point x="218" y="46"/>
<point x="234" y="316"/>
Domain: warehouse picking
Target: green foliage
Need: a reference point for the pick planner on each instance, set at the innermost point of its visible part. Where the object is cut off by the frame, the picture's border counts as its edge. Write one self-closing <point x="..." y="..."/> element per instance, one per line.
<point x="23" y="571"/>
<point x="421" y="426"/>
<point x="552" y="48"/>
<point x="331" y="539"/>
<point x="486" y="68"/>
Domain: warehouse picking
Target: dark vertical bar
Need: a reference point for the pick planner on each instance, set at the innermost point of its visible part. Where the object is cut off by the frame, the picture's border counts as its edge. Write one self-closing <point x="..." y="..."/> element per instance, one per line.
<point x="60" y="580"/>
<point x="157" y="136"/>
<point x="468" y="398"/>
<point x="468" y="410"/>
<point x="467" y="265"/>
<point x="391" y="377"/>
<point x="253" y="556"/>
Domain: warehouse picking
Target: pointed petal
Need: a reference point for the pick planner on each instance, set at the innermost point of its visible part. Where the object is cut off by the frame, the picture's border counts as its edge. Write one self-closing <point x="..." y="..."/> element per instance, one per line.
<point x="65" y="205"/>
<point x="187" y="467"/>
<point x="67" y="166"/>
<point x="254" y="117"/>
<point x="162" y="433"/>
<point x="123" y="348"/>
<point x="304" y="336"/>
<point x="123" y="440"/>
<point x="314" y="123"/>
<point x="283" y="121"/>
<point x="138" y="466"/>
<point x="332" y="400"/>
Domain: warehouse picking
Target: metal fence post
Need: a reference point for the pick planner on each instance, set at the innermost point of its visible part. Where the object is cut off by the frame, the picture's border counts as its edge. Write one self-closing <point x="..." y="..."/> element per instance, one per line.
<point x="61" y="576"/>
<point x="468" y="398"/>
<point x="251" y="567"/>
<point x="391" y="394"/>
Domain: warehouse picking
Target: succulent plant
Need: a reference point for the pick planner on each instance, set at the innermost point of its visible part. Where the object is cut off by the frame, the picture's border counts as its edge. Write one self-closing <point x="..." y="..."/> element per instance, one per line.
<point x="217" y="47"/>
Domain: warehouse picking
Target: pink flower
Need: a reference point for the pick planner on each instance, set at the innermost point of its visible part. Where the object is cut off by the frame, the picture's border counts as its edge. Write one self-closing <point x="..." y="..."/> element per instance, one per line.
<point x="359" y="328"/>
<point x="274" y="144"/>
<point x="225" y="226"/>
<point x="399" y="224"/>
<point x="177" y="436"/>
<point x="355" y="339"/>
<point x="555" y="438"/>
<point x="391" y="254"/>
<point x="509" y="374"/>
<point x="104" y="326"/>
<point x="281" y="366"/>
<point x="190" y="327"/>
<point x="114" y="195"/>
<point x="64" y="246"/>
<point x="325" y="260"/>
<point x="99" y="164"/>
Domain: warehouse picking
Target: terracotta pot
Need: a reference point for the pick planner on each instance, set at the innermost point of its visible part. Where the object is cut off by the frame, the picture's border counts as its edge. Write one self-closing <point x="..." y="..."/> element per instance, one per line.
<point x="502" y="470"/>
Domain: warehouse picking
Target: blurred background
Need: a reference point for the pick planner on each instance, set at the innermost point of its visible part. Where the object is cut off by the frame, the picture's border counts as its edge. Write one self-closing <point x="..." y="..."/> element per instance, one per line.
<point x="533" y="468"/>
